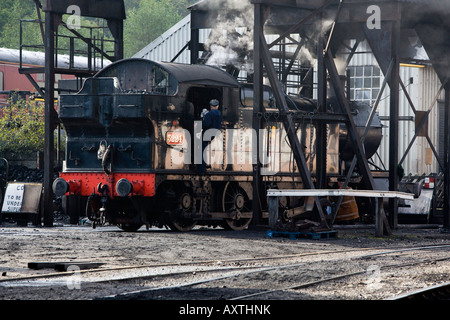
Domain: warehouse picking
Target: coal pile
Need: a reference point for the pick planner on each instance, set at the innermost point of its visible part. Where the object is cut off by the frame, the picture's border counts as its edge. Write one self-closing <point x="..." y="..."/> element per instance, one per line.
<point x="24" y="174"/>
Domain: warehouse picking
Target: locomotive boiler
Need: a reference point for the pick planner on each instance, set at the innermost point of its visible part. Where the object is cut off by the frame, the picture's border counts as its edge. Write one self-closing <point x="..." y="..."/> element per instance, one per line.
<point x="134" y="139"/>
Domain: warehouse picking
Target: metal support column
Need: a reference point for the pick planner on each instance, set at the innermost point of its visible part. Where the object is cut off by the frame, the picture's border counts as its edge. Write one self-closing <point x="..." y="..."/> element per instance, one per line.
<point x="194" y="45"/>
<point x="321" y="128"/>
<point x="49" y="120"/>
<point x="446" y="222"/>
<point x="336" y="84"/>
<point x="339" y="90"/>
<point x="118" y="42"/>
<point x="116" y="28"/>
<point x="394" y="84"/>
<point x="257" y="108"/>
<point x="289" y="125"/>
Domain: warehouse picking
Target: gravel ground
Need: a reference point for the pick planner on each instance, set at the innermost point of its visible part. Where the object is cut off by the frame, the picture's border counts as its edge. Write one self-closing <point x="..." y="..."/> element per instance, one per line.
<point x="114" y="248"/>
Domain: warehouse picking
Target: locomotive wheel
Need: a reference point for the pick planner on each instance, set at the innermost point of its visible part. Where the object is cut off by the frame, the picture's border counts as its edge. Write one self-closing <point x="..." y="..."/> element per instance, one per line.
<point x="124" y="215"/>
<point x="129" y="227"/>
<point x="182" y="224"/>
<point x="235" y="199"/>
<point x="177" y="220"/>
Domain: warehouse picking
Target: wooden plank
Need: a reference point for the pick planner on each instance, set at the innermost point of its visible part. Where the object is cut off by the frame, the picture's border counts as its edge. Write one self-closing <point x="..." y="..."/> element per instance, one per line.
<point x="41" y="265"/>
<point x="302" y="235"/>
<point x="378" y="195"/>
<point x="63" y="266"/>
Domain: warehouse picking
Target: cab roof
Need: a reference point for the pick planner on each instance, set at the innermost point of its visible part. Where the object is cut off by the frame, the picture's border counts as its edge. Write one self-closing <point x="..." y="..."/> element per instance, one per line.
<point x="142" y="70"/>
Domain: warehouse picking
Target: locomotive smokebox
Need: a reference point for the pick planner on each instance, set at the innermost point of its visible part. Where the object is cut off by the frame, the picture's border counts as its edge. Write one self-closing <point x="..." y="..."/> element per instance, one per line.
<point x="361" y="113"/>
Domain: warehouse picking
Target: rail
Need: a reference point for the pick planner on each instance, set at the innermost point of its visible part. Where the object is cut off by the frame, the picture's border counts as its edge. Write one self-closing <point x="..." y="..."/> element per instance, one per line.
<point x="431" y="293"/>
<point x="274" y="194"/>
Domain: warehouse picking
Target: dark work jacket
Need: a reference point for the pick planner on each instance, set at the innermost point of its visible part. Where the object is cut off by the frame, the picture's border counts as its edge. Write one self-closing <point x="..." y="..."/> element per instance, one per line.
<point x="212" y="119"/>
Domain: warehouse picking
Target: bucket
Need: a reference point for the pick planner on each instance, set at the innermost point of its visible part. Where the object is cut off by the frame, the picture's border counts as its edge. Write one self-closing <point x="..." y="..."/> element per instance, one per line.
<point x="348" y="209"/>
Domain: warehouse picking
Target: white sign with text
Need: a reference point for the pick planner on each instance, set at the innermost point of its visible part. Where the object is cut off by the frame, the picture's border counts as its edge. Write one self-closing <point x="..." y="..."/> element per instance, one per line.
<point x="13" y="198"/>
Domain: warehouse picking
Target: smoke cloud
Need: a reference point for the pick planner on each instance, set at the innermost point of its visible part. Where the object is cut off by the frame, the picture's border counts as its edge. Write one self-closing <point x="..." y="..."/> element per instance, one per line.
<point x="308" y="53"/>
<point x="231" y="40"/>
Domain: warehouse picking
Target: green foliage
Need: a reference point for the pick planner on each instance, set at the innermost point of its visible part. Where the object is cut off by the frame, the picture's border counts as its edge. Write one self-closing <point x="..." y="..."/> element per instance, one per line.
<point x="146" y="20"/>
<point x="22" y="128"/>
<point x="10" y="14"/>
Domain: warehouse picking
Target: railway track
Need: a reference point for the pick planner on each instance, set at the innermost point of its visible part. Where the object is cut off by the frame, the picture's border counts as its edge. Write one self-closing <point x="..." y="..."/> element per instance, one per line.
<point x="297" y="286"/>
<point x="179" y="265"/>
<point x="338" y="277"/>
<point x="436" y="292"/>
<point x="162" y="278"/>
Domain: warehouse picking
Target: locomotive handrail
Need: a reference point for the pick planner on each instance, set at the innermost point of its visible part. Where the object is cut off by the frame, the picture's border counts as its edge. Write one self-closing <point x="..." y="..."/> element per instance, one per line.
<point x="273" y="195"/>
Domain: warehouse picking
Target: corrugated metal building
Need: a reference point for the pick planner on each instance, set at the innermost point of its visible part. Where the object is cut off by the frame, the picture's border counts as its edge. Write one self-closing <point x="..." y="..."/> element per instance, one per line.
<point x="422" y="85"/>
<point x="169" y="44"/>
<point x="421" y="82"/>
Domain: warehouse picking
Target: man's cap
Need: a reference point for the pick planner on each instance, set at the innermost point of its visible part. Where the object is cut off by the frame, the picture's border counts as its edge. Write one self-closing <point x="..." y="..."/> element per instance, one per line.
<point x="214" y="102"/>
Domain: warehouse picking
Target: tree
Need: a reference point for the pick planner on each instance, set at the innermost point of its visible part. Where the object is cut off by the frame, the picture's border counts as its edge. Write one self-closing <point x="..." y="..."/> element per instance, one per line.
<point x="11" y="12"/>
<point x="22" y="128"/>
<point x="149" y="20"/>
<point x="146" y="20"/>
<point x="131" y="4"/>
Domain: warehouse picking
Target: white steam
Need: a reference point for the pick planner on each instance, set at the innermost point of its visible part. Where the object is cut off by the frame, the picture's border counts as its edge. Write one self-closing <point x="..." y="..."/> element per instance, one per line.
<point x="308" y="53"/>
<point x="231" y="39"/>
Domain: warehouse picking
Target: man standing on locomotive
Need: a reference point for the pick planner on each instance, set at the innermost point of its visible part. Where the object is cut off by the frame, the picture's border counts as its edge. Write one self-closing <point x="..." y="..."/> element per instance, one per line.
<point x="211" y="120"/>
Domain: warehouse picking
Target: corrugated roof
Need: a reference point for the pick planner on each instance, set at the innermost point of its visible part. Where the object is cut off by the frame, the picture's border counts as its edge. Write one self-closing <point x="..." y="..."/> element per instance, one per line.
<point x="183" y="23"/>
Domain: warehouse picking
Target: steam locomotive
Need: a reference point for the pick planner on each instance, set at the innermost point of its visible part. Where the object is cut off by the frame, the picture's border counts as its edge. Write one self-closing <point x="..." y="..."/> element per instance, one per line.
<point x="134" y="139"/>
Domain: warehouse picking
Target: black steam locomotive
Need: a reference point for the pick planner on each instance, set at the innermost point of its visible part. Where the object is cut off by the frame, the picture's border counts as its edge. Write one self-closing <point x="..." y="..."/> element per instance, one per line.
<point x="134" y="140"/>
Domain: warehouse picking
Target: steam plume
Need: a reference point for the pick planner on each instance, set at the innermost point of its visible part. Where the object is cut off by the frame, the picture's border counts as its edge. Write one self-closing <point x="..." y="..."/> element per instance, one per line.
<point x="232" y="38"/>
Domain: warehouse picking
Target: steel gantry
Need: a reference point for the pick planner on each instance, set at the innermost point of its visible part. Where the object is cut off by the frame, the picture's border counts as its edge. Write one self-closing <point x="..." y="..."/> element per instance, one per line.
<point x="383" y="24"/>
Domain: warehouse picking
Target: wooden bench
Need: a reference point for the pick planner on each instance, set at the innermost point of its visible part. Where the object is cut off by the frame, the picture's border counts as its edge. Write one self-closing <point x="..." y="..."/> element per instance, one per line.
<point x="274" y="194"/>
